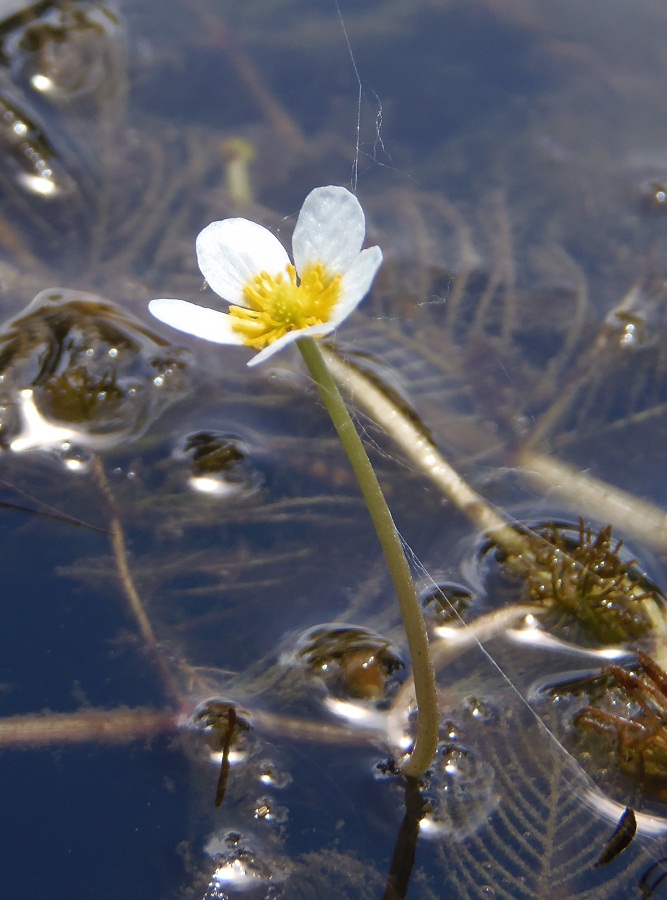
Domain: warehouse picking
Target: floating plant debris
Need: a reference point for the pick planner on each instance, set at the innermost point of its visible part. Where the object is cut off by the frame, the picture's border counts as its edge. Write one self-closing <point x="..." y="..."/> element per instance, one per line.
<point x="220" y="465"/>
<point x="448" y="601"/>
<point x="227" y="738"/>
<point x="387" y="382"/>
<point x="223" y="724"/>
<point x="63" y="54"/>
<point x="213" y="452"/>
<point x="352" y="661"/>
<point x="90" y="369"/>
<point x="224" y="727"/>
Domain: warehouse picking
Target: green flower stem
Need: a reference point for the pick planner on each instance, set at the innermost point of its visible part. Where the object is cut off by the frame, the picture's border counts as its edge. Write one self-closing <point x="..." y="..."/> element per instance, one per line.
<point x="413" y="621"/>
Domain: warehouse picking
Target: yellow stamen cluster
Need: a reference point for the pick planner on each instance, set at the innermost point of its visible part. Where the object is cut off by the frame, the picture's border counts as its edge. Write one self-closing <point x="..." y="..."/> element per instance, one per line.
<point x="277" y="304"/>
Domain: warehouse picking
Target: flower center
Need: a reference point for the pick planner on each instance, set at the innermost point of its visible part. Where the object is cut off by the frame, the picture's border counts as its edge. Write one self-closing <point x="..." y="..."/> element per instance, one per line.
<point x="277" y="304"/>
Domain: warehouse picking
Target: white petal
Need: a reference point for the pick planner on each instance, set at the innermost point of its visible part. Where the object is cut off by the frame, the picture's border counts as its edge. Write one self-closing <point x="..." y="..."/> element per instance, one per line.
<point x="356" y="283"/>
<point x="232" y="252"/>
<point x="330" y="229"/>
<point x="289" y="338"/>
<point x="199" y="321"/>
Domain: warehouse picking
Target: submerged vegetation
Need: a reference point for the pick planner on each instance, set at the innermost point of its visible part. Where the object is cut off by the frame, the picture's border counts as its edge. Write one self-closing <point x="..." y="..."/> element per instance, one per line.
<point x="641" y="735"/>
<point x="584" y="575"/>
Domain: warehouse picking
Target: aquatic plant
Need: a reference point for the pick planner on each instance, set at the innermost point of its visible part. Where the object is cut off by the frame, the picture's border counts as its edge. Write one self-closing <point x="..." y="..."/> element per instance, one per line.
<point x="498" y="267"/>
<point x="641" y="732"/>
<point x="281" y="303"/>
<point x="272" y="301"/>
<point x="583" y="573"/>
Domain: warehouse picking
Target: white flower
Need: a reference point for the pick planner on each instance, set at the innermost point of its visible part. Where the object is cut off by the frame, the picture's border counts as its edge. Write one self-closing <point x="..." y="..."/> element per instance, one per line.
<point x="272" y="301"/>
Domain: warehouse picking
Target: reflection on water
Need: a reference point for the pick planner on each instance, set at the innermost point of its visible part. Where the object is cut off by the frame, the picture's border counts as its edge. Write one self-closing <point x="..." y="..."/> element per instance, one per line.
<point x="82" y="365"/>
<point x="511" y="159"/>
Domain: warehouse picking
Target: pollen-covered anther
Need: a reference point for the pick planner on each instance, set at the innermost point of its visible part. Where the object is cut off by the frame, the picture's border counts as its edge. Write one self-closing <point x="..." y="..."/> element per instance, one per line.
<point x="277" y="304"/>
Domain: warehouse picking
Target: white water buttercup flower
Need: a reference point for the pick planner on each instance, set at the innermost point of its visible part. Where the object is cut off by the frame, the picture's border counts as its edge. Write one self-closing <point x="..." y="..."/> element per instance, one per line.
<point x="272" y="300"/>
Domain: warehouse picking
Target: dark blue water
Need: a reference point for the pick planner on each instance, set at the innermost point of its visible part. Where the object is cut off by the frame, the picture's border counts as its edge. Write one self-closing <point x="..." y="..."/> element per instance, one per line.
<point x="510" y="158"/>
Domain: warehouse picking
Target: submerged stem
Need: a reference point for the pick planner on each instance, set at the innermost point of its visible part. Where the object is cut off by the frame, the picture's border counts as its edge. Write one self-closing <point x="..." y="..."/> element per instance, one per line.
<point x="425" y="455"/>
<point x="129" y="588"/>
<point x="399" y="569"/>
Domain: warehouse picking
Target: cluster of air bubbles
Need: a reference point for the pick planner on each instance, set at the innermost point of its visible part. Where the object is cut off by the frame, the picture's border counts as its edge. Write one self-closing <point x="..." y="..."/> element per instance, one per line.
<point x="28" y="154"/>
<point x="459" y="792"/>
<point x="225" y="736"/>
<point x="238" y="867"/>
